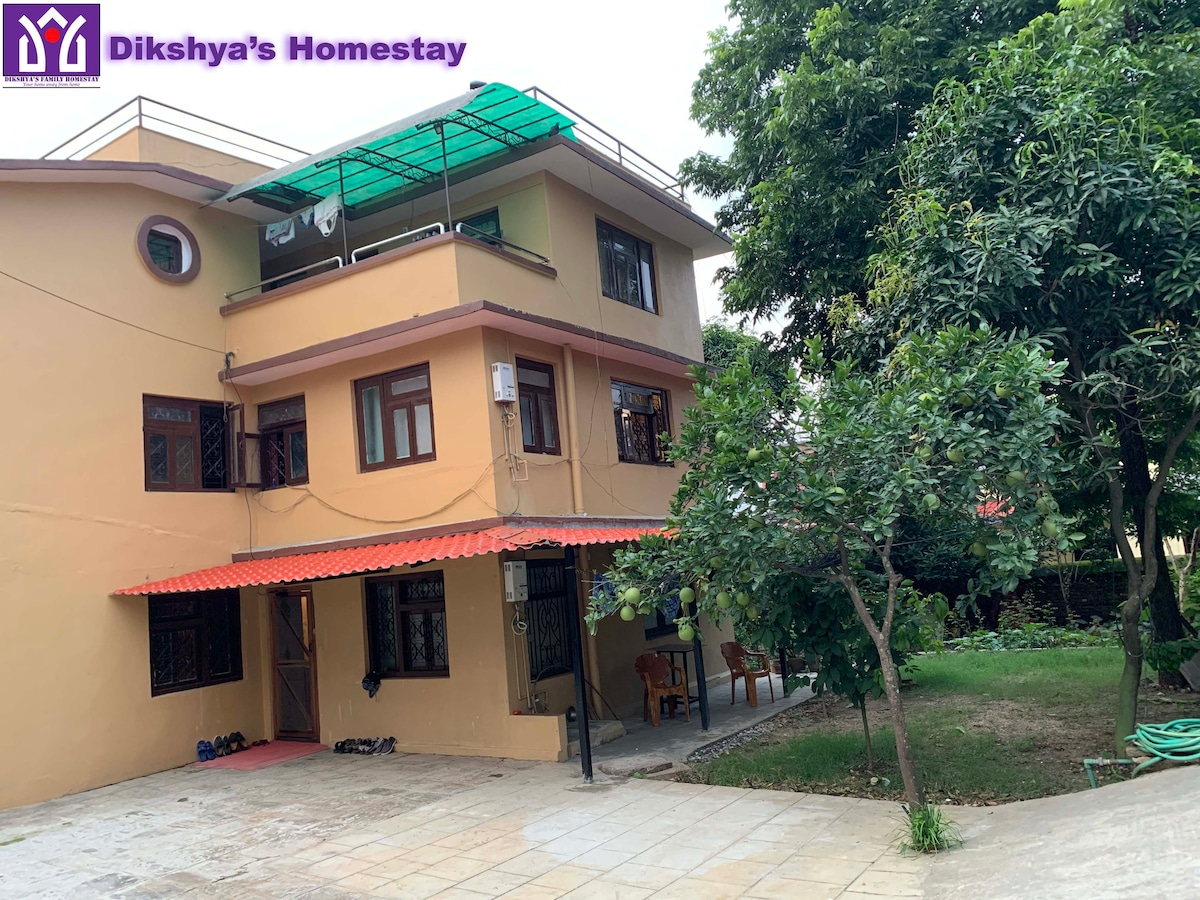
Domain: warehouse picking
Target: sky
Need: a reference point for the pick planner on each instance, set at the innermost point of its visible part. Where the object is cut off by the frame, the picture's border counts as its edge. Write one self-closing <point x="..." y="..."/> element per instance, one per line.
<point x="629" y="67"/>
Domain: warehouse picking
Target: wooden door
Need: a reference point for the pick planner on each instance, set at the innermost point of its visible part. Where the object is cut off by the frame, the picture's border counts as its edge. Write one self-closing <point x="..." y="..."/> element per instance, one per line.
<point x="294" y="658"/>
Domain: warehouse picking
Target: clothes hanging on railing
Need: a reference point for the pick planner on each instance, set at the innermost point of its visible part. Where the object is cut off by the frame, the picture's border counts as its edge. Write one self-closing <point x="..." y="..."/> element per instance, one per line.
<point x="281" y="232"/>
<point x="325" y="213"/>
<point x="305" y="217"/>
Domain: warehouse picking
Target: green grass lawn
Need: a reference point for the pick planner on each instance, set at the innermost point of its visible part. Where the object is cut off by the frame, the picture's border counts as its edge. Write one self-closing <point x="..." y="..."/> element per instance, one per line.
<point x="985" y="727"/>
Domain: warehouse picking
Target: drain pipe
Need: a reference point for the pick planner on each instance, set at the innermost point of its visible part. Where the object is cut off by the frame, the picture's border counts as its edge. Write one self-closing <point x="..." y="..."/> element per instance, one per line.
<point x="573" y="430"/>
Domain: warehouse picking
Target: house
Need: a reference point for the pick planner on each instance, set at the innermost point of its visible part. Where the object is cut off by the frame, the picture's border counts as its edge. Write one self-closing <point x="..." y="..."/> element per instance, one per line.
<point x="285" y="418"/>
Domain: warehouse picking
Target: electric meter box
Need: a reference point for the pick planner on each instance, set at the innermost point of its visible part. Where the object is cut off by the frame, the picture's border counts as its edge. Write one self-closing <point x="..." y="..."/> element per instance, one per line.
<point x="516" y="582"/>
<point x="504" y="386"/>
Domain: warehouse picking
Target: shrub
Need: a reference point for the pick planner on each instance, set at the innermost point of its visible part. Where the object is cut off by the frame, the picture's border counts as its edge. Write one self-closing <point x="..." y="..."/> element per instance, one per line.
<point x="1034" y="636"/>
<point x="929" y="830"/>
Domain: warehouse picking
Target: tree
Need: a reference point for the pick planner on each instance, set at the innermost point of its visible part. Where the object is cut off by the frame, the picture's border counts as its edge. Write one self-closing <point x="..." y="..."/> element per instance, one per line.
<point x="1057" y="191"/>
<point x="819" y="100"/>
<point x="815" y="483"/>
<point x="724" y="345"/>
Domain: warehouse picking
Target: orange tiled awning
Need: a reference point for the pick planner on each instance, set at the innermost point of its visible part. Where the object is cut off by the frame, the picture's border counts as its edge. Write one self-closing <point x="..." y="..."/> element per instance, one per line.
<point x="378" y="557"/>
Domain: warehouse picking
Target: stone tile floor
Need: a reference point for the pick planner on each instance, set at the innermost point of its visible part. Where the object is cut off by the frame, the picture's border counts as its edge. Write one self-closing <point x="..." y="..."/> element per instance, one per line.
<point x="329" y="826"/>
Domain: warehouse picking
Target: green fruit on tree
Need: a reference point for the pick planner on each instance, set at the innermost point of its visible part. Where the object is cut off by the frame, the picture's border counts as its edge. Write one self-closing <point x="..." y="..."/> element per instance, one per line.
<point x="1003" y="392"/>
<point x="955" y="455"/>
<point x="724" y="601"/>
<point x="686" y="595"/>
<point x="978" y="549"/>
<point x="716" y="562"/>
<point x="1049" y="529"/>
<point x="837" y="496"/>
<point x="722" y="437"/>
<point x="925" y="451"/>
<point x="1015" y="477"/>
<point x="687" y="633"/>
<point x="965" y="399"/>
<point x="743" y="599"/>
<point x="931" y="501"/>
<point x="628" y="613"/>
<point x="1045" y="505"/>
<point x="754" y="454"/>
<point x="633" y="596"/>
<point x="752" y="613"/>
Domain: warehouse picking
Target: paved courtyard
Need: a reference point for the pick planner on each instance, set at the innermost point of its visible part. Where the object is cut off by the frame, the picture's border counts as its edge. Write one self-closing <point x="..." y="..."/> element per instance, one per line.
<point x="330" y="826"/>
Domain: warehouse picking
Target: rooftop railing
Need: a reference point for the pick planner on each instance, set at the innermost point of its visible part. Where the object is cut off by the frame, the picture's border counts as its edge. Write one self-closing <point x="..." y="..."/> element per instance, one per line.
<point x="142" y="112"/>
<point x="610" y="145"/>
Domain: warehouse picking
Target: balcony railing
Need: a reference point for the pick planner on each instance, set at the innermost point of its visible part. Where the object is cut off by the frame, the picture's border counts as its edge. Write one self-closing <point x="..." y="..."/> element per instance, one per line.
<point x="366" y="251"/>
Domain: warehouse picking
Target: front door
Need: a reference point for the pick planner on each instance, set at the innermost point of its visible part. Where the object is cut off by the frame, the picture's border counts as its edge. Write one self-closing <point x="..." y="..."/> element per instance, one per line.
<point x="293" y="652"/>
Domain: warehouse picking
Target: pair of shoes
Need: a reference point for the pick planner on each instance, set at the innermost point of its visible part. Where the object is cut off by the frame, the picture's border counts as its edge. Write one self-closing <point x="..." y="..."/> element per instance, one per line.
<point x="205" y="751"/>
<point x="229" y="744"/>
<point x="237" y="740"/>
<point x="260" y="743"/>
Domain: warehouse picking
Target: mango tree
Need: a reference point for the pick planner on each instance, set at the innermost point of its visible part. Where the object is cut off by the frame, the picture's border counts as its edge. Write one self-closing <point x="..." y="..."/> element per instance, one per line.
<point x="814" y="481"/>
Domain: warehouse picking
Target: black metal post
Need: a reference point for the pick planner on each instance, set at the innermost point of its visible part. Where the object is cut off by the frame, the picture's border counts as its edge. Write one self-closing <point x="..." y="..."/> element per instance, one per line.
<point x="701" y="683"/>
<point x="783" y="668"/>
<point x="581" y="710"/>
<point x="440" y="127"/>
<point x="345" y="218"/>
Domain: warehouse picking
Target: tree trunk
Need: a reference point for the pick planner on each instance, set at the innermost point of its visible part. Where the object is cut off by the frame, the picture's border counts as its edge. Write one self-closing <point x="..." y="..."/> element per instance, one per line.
<point x="862" y="708"/>
<point x="914" y="793"/>
<point x="1166" y="619"/>
<point x="1131" y="675"/>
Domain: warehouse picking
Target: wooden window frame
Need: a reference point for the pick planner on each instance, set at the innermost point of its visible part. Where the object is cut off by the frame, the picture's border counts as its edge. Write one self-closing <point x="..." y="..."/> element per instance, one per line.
<point x="202" y="624"/>
<point x="665" y="414"/>
<point x="640" y="244"/>
<point x="402" y="608"/>
<point x="173" y="430"/>
<point x="387" y="406"/>
<point x="537" y="393"/>
<point x="283" y="431"/>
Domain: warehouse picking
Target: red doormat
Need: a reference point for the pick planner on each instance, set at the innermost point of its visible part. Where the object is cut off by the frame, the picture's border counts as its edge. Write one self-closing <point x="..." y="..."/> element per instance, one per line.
<point x="262" y="756"/>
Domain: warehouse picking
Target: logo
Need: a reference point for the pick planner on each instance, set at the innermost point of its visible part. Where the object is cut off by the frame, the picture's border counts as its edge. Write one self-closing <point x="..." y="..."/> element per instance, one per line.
<point x="51" y="45"/>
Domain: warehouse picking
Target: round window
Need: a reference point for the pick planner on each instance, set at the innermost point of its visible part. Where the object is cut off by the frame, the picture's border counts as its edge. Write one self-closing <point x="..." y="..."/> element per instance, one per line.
<point x="168" y="249"/>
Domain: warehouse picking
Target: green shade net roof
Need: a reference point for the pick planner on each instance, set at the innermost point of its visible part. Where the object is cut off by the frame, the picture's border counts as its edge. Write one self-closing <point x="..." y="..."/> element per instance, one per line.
<point x="397" y="161"/>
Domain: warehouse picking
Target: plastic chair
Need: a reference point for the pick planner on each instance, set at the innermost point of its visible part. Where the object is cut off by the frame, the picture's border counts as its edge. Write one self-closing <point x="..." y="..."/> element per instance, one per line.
<point x="735" y="657"/>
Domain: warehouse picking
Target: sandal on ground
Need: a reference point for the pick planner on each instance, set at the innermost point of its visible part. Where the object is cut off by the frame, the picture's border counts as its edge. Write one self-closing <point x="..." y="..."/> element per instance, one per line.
<point x="241" y="741"/>
<point x="201" y="751"/>
<point x="219" y="745"/>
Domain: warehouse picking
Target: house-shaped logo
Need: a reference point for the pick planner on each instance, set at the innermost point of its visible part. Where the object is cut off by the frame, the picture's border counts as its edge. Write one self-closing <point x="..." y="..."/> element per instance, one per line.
<point x="49" y="44"/>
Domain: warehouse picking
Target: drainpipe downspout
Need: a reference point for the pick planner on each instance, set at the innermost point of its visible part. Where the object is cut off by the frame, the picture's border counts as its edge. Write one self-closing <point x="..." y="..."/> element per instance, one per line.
<point x="573" y="430"/>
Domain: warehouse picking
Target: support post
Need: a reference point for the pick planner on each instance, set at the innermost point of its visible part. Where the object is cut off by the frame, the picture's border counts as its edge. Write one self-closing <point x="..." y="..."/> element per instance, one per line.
<point x="570" y="575"/>
<point x="440" y="128"/>
<point x="783" y="668"/>
<point x="701" y="681"/>
<point x="345" y="218"/>
<point x="573" y="430"/>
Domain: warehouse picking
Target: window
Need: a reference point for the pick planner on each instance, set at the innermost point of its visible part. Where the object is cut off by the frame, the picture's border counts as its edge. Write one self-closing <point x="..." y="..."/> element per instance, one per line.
<point x="406" y="626"/>
<point x="626" y="267"/>
<point x="546" y="617"/>
<point x="395" y="419"/>
<point x="195" y="640"/>
<point x="283" y="443"/>
<point x="168" y="249"/>
<point x="483" y="225"/>
<point x="185" y="445"/>
<point x="641" y="416"/>
<point x="539" y="411"/>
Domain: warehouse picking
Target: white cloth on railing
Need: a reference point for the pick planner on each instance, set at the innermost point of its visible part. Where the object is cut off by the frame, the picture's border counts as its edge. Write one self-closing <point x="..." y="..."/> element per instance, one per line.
<point x="325" y="213"/>
<point x="281" y="232"/>
<point x="305" y="217"/>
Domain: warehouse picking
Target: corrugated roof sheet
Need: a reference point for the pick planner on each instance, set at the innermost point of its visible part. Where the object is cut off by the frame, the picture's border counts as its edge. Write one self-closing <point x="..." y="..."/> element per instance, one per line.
<point x="380" y="557"/>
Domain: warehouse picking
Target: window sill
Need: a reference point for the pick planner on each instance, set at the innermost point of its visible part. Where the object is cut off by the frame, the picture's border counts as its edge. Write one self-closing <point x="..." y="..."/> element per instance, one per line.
<point x="638" y="462"/>
<point x="653" y="312"/>
<point x="179" y="689"/>
<point x="399" y="464"/>
<point x="401" y="676"/>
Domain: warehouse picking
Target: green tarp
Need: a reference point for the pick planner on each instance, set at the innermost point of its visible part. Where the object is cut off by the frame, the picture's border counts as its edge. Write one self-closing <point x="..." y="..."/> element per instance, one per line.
<point x="392" y="163"/>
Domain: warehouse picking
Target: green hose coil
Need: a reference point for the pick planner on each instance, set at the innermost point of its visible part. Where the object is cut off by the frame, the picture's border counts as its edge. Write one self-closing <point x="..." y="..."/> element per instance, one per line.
<point x="1178" y="741"/>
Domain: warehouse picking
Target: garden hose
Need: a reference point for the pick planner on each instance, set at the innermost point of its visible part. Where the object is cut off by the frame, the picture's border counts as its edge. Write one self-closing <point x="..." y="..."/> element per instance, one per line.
<point x="1177" y="741"/>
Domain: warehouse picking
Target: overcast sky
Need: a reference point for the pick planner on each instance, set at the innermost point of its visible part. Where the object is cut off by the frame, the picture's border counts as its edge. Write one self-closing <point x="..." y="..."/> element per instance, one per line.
<point x="628" y="67"/>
